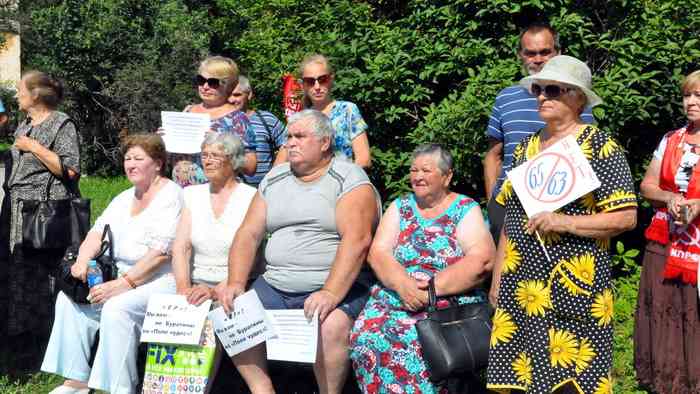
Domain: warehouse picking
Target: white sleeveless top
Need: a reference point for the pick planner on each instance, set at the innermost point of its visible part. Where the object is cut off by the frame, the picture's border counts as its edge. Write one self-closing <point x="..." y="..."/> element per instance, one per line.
<point x="212" y="237"/>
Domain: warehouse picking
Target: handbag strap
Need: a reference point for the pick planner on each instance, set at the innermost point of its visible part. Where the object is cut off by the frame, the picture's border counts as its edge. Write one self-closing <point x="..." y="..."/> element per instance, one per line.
<point x="432" y="298"/>
<point x="71" y="187"/>
<point x="107" y="243"/>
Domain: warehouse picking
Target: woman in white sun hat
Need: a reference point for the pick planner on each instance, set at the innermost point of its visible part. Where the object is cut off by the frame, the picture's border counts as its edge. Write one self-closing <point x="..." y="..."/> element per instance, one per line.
<point x="552" y="327"/>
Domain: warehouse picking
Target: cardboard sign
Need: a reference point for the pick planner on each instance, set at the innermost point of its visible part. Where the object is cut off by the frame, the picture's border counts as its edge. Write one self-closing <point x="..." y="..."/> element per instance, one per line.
<point x="171" y="319"/>
<point x="247" y="326"/>
<point x="553" y="178"/>
<point x="297" y="337"/>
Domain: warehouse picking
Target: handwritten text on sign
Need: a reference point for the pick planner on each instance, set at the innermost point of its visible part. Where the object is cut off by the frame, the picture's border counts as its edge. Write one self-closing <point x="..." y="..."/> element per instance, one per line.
<point x="553" y="178"/>
<point x="171" y="319"/>
<point x="247" y="326"/>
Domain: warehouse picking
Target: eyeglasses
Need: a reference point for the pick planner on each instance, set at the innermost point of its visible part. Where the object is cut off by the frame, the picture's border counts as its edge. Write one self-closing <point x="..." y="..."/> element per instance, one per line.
<point x="544" y="52"/>
<point x="550" y="91"/>
<point x="321" y="79"/>
<point x="213" y="83"/>
<point x="215" y="157"/>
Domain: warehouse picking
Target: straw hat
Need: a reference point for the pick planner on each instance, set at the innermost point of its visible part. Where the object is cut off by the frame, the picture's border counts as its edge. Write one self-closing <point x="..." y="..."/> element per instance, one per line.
<point x="567" y="70"/>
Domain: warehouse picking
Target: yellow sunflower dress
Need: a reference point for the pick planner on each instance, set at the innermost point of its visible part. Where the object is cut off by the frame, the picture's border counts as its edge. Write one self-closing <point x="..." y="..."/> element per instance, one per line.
<point x="553" y="321"/>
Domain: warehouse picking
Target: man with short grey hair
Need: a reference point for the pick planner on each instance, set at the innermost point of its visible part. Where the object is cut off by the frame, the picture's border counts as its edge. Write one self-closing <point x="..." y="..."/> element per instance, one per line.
<point x="321" y="213"/>
<point x="270" y="132"/>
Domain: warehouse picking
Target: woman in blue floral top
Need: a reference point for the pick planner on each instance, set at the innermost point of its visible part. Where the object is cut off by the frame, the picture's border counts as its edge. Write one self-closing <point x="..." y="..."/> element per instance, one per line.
<point x="432" y="232"/>
<point x="350" y="128"/>
<point x="217" y="77"/>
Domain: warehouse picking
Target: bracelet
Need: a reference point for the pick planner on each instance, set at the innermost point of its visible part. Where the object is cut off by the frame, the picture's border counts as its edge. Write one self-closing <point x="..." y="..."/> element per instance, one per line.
<point x="129" y="281"/>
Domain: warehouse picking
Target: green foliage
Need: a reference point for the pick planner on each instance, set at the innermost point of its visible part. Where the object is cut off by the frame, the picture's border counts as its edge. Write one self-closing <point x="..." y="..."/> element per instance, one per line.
<point x="429" y="70"/>
<point x="123" y="61"/>
<point x="624" y="259"/>
<point x="626" y="288"/>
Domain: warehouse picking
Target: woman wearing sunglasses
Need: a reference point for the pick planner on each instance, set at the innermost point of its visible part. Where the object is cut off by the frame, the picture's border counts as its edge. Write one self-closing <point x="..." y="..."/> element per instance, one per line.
<point x="667" y="326"/>
<point x="216" y="78"/>
<point x="350" y="128"/>
<point x="552" y="328"/>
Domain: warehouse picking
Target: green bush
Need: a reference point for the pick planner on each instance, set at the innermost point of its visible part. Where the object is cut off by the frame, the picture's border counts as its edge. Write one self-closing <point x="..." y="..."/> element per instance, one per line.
<point x="123" y="61"/>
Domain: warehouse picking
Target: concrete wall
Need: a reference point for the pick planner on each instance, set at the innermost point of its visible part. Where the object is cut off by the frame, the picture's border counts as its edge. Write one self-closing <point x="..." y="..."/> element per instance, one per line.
<point x="10" y="65"/>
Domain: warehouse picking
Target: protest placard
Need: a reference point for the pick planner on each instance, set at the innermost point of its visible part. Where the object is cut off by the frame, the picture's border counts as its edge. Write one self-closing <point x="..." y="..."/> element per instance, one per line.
<point x="553" y="178"/>
<point x="184" y="131"/>
<point x="171" y="319"/>
<point x="297" y="336"/>
<point x="247" y="326"/>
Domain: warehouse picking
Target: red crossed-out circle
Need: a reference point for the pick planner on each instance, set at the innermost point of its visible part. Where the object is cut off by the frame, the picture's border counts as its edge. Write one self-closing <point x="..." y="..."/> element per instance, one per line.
<point x="560" y="163"/>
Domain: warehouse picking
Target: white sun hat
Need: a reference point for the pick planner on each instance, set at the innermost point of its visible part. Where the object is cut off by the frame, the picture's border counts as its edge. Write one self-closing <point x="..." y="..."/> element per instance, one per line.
<point x="567" y="70"/>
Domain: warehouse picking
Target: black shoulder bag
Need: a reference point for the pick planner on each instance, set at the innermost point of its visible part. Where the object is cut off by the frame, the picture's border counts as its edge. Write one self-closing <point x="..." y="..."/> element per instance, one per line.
<point x="55" y="224"/>
<point x="454" y="339"/>
<point x="76" y="289"/>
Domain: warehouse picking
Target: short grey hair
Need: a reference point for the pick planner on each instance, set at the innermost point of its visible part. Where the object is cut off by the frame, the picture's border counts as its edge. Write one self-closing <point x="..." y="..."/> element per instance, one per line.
<point x="232" y="146"/>
<point x="445" y="160"/>
<point x="244" y="84"/>
<point x="320" y="124"/>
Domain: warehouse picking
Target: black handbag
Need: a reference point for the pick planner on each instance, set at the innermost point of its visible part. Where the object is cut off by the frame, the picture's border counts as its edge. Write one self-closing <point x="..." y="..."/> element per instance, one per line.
<point x="454" y="339"/>
<point x="76" y="289"/>
<point x="55" y="224"/>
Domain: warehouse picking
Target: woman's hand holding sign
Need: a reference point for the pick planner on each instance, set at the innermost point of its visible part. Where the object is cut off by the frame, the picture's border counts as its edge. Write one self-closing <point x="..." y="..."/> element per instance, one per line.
<point x="548" y="222"/>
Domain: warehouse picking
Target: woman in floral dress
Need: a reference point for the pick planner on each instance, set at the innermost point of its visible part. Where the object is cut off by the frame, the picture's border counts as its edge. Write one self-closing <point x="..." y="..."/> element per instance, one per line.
<point x="552" y="326"/>
<point x="430" y="233"/>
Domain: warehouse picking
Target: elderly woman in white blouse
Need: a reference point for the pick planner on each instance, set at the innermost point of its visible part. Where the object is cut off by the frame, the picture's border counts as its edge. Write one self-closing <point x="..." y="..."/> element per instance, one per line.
<point x="143" y="220"/>
<point x="211" y="216"/>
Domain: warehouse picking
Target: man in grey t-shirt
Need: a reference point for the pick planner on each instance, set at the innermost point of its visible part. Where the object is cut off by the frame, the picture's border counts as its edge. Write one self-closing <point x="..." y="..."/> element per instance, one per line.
<point x="321" y="213"/>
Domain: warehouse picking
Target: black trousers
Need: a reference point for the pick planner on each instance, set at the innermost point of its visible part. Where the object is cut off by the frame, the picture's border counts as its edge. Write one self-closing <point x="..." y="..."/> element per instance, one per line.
<point x="497" y="213"/>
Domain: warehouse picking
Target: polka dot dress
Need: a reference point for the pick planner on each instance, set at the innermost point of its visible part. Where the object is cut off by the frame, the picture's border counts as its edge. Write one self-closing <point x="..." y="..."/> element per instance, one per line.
<point x="553" y="321"/>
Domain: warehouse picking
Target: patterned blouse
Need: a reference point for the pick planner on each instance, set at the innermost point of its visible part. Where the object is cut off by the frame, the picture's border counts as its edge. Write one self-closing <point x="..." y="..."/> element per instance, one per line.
<point x="348" y="123"/>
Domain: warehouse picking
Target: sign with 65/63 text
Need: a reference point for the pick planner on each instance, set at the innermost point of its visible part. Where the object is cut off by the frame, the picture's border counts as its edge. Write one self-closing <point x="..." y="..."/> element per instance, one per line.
<point x="553" y="178"/>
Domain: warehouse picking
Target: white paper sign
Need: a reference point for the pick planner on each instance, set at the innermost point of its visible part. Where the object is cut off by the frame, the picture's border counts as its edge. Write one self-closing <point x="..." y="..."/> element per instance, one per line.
<point x="171" y="319"/>
<point x="297" y="337"/>
<point x="184" y="131"/>
<point x="248" y="326"/>
<point x="553" y="178"/>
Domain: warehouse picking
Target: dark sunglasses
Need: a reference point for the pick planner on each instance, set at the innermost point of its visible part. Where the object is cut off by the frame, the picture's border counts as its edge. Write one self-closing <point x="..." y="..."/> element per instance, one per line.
<point x="550" y="91"/>
<point x="213" y="83"/>
<point x="322" y="80"/>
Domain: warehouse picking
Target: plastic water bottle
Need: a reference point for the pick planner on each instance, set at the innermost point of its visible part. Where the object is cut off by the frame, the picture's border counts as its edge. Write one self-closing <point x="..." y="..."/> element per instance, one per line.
<point x="94" y="274"/>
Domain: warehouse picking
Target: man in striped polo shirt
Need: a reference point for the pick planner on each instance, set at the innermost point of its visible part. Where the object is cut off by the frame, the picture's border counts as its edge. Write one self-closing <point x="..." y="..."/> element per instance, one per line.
<point x="270" y="132"/>
<point x="515" y="116"/>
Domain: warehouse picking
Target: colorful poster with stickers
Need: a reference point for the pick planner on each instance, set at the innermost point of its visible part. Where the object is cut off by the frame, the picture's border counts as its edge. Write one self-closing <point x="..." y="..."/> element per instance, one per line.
<point x="553" y="178"/>
<point x="172" y="369"/>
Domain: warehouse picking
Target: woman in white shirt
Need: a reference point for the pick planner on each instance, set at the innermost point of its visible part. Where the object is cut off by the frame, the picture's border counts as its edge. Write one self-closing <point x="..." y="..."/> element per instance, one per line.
<point x="211" y="216"/>
<point x="143" y="220"/>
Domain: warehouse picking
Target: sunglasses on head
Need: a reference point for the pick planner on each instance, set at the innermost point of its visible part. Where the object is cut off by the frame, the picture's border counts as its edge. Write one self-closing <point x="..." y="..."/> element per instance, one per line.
<point x="213" y="83"/>
<point x="550" y="91"/>
<point x="321" y="79"/>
